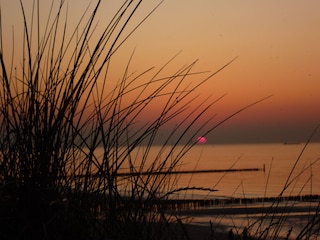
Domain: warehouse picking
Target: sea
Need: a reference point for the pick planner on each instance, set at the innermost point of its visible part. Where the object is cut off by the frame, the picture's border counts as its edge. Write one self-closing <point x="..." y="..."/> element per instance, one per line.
<point x="246" y="170"/>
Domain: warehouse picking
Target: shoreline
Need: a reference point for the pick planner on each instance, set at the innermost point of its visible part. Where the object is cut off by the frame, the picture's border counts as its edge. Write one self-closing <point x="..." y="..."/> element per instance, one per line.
<point x="283" y="218"/>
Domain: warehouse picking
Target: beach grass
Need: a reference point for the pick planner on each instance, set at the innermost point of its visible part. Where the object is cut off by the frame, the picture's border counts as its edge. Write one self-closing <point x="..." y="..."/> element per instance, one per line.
<point x="66" y="133"/>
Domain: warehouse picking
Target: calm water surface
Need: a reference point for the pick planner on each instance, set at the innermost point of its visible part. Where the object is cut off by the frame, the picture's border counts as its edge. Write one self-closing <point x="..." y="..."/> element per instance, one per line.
<point x="278" y="160"/>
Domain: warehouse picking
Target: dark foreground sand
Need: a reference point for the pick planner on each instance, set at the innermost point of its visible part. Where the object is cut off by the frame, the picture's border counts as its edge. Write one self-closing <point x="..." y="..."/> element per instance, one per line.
<point x="261" y="220"/>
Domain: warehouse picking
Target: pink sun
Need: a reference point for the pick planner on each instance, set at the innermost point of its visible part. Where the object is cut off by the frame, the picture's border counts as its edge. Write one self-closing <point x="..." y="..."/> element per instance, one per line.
<point x="201" y="140"/>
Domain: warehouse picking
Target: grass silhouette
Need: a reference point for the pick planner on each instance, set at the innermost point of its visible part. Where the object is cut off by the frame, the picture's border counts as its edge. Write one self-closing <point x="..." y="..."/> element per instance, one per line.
<point x="66" y="134"/>
<point x="62" y="126"/>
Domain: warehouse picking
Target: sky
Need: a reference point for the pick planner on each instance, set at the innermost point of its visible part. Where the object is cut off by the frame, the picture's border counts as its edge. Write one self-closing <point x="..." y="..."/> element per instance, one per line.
<point x="276" y="44"/>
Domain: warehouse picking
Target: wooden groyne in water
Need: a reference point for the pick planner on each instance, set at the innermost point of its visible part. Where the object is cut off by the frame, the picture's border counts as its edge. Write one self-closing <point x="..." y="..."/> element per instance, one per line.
<point x="192" y="171"/>
<point x="169" y="172"/>
<point x="192" y="204"/>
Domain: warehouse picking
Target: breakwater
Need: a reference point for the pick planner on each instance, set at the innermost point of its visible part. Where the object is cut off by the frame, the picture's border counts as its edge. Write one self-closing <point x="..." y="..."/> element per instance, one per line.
<point x="192" y="204"/>
<point x="192" y="171"/>
<point x="169" y="172"/>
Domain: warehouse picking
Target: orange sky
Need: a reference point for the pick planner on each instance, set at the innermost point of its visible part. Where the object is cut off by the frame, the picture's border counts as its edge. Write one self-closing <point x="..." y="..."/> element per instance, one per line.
<point x="276" y="42"/>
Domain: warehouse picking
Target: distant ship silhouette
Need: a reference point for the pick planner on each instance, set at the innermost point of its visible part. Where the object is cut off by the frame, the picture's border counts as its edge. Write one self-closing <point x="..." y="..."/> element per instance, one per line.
<point x="291" y="143"/>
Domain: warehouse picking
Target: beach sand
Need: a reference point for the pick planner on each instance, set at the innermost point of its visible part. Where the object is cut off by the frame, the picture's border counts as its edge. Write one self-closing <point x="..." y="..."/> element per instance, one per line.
<point x="263" y="221"/>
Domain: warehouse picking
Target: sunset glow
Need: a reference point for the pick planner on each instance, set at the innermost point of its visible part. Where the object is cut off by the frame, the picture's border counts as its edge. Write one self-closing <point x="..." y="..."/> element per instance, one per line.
<point x="277" y="45"/>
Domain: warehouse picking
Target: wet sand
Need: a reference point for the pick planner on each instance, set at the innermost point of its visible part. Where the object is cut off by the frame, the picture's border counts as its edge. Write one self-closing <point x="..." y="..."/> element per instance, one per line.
<point x="260" y="219"/>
